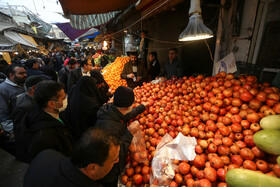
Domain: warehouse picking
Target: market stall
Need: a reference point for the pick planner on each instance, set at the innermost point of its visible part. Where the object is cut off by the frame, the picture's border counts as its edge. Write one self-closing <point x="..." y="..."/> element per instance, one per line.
<point x="226" y="116"/>
<point x="112" y="73"/>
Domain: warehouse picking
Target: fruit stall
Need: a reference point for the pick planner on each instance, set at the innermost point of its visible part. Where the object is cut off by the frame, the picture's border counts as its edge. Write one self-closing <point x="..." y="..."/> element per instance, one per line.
<point x="112" y="73"/>
<point x="234" y="121"/>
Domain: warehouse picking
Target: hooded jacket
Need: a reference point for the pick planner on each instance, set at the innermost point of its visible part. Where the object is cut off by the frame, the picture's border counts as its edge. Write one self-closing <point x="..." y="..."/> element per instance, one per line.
<point x="110" y="118"/>
<point x="84" y="103"/>
<point x="39" y="131"/>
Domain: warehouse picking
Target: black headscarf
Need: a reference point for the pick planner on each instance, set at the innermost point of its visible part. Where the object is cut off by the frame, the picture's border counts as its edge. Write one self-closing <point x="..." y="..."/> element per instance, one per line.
<point x="84" y="102"/>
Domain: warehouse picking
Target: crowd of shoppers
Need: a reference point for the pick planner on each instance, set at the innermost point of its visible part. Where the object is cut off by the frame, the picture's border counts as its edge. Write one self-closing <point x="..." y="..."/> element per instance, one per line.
<point x="58" y="114"/>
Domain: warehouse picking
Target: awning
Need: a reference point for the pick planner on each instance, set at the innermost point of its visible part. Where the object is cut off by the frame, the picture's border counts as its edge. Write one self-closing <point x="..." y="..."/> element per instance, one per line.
<point x="4" y="26"/>
<point x="70" y="31"/>
<point x="5" y="44"/>
<point x="18" y="39"/>
<point x="92" y="36"/>
<point x="30" y="39"/>
<point x="86" y="7"/>
<point x="92" y="31"/>
<point x="89" y="21"/>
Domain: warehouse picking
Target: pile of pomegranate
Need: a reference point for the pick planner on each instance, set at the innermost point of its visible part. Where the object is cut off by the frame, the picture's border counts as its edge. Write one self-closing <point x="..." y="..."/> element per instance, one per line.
<point x="221" y="112"/>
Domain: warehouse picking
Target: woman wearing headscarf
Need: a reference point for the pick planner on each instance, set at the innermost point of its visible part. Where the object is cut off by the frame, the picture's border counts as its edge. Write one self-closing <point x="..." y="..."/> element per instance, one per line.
<point x="84" y="102"/>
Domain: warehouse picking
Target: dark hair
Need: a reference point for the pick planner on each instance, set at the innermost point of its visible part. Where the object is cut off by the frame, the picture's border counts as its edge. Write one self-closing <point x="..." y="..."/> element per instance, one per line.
<point x="11" y="69"/>
<point x="47" y="61"/>
<point x="93" y="147"/>
<point x="154" y="54"/>
<point x="45" y="91"/>
<point x="72" y="62"/>
<point x="173" y="49"/>
<point x="3" y="65"/>
<point x="83" y="62"/>
<point x="29" y="63"/>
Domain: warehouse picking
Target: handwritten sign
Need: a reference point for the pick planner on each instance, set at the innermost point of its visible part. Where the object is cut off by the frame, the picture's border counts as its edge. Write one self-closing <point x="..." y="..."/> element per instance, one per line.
<point x="227" y="64"/>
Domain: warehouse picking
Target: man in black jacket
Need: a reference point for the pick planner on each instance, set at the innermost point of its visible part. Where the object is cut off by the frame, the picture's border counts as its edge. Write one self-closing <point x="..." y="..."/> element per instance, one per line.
<point x="92" y="158"/>
<point x="173" y="67"/>
<point x="75" y="75"/>
<point x="113" y="117"/>
<point x="65" y="71"/>
<point x="25" y="101"/>
<point x="43" y="127"/>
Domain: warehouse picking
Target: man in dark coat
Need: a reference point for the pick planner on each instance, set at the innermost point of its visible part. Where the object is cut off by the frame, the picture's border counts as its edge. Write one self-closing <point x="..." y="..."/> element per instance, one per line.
<point x="43" y="127"/>
<point x="32" y="66"/>
<point x="154" y="66"/>
<point x="65" y="71"/>
<point x="75" y="75"/>
<point x="25" y="101"/>
<point x="134" y="71"/>
<point x="9" y="90"/>
<point x="173" y="67"/>
<point x="113" y="117"/>
<point x="92" y="158"/>
<point x="48" y="69"/>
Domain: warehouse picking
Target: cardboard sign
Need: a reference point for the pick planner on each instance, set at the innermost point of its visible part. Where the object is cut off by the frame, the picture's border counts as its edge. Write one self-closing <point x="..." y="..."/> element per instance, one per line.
<point x="227" y="64"/>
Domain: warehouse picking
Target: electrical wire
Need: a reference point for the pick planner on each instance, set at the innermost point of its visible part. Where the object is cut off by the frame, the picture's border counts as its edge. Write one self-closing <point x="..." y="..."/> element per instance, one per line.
<point x="211" y="56"/>
<point x="141" y="18"/>
<point x="35" y="7"/>
<point x="159" y="41"/>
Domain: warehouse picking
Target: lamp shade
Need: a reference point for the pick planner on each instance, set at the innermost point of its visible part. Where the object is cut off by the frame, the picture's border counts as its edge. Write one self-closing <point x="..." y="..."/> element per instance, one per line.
<point x="196" y="30"/>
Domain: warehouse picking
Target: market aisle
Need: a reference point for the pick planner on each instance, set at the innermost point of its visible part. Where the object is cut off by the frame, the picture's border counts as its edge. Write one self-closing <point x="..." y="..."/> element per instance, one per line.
<point x="11" y="171"/>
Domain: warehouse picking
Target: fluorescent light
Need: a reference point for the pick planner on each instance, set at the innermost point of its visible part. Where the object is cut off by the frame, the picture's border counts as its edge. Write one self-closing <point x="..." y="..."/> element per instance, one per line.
<point x="196" y="30"/>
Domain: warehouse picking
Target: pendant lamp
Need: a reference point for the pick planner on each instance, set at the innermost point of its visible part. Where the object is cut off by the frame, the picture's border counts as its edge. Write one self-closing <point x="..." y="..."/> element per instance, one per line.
<point x="196" y="30"/>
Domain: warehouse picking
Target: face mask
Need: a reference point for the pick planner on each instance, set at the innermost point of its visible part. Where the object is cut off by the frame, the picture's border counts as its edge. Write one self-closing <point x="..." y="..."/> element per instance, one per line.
<point x="64" y="105"/>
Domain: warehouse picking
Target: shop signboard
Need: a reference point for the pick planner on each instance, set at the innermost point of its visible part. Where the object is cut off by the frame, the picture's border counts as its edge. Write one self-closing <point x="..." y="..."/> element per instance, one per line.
<point x="227" y="64"/>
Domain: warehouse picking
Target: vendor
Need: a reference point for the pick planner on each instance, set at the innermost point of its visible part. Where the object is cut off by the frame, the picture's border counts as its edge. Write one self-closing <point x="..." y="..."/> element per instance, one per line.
<point x="134" y="71"/>
<point x="173" y="67"/>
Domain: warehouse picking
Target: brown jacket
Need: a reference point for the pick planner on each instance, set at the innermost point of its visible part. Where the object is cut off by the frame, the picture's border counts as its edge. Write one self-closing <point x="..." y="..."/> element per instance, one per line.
<point x="141" y="72"/>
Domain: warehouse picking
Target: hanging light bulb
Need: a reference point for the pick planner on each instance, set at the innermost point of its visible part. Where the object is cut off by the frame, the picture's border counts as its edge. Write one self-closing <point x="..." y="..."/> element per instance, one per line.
<point x="196" y="30"/>
<point x="105" y="45"/>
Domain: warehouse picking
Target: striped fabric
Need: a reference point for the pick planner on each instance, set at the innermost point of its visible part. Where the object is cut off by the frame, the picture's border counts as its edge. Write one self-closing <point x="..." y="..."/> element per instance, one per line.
<point x="89" y="21"/>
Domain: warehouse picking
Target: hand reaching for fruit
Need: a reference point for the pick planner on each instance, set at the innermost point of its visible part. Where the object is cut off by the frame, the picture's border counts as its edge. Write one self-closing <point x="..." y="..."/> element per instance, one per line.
<point x="145" y="104"/>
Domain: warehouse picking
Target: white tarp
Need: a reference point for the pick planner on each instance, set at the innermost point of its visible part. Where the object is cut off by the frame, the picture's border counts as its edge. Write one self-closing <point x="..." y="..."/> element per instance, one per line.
<point x="17" y="39"/>
<point x="4" y="26"/>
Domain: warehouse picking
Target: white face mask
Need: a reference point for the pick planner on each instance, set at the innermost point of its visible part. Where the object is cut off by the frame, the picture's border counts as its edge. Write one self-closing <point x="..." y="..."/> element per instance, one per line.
<point x="64" y="105"/>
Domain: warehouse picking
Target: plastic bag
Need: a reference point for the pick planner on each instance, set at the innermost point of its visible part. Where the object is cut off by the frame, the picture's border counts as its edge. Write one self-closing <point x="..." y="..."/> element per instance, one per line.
<point x="137" y="148"/>
<point x="180" y="148"/>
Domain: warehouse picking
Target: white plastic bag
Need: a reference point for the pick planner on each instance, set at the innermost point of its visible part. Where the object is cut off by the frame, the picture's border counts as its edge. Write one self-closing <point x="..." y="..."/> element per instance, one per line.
<point x="180" y="148"/>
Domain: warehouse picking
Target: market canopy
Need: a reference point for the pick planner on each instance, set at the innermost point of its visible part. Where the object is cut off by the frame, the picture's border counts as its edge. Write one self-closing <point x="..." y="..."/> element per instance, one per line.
<point x="5" y="44"/>
<point x="70" y="31"/>
<point x="4" y="26"/>
<point x="89" y="21"/>
<point x="86" y="7"/>
<point x="18" y="39"/>
<point x="90" y="32"/>
<point x="30" y="39"/>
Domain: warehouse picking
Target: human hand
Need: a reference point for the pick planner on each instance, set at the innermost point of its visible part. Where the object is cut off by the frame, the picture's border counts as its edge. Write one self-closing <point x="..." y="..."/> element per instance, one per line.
<point x="134" y="127"/>
<point x="131" y="76"/>
<point x="138" y="79"/>
<point x="145" y="104"/>
<point x="110" y="91"/>
<point x="111" y="100"/>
